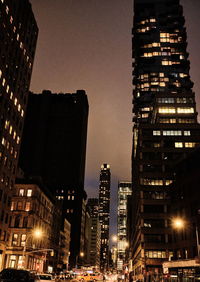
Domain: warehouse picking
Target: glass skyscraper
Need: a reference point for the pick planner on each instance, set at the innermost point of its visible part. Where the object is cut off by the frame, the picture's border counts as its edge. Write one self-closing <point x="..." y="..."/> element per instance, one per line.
<point x="165" y="125"/>
<point x="124" y="190"/>
<point x="104" y="214"/>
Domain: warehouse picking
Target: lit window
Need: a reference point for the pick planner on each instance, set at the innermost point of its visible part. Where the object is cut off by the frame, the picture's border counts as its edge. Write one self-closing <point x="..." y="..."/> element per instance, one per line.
<point x="10" y="129"/>
<point x="12" y="206"/>
<point x="156" y="44"/>
<point x="21" y="192"/>
<point x="3" y="141"/>
<point x="28" y="206"/>
<point x="22" y="113"/>
<point x="6" y="124"/>
<point x="167" y="110"/>
<point x="15" y="101"/>
<point x="145" y="115"/>
<point x="162" y="35"/>
<point x="151" y="182"/>
<point x="14" y="135"/>
<point x="186" y="133"/>
<point x="162" y="84"/>
<point x="156" y="145"/>
<point x="7" y="9"/>
<point x="178" y="145"/>
<point x="190" y="144"/>
<point x="156" y="132"/>
<point x="3" y="82"/>
<point x="172" y="133"/>
<point x="14" y="241"/>
<point x="29" y="192"/>
<point x="185" y="110"/>
<point x="18" y="139"/>
<point x="23" y="240"/>
<point x="166" y="63"/>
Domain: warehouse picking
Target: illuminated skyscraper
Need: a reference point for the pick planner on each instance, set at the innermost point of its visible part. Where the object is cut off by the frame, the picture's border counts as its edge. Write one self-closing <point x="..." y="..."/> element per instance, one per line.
<point x="124" y="190"/>
<point x="94" y="232"/>
<point x="165" y="125"/>
<point x="104" y="213"/>
<point x="18" y="38"/>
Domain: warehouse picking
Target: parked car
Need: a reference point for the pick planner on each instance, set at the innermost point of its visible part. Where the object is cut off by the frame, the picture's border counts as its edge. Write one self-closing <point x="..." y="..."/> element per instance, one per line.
<point x="17" y="275"/>
<point x="45" y="277"/>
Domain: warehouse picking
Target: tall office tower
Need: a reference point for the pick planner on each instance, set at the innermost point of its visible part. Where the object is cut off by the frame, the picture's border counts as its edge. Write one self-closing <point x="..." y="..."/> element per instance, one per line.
<point x="104" y="214"/>
<point x="54" y="149"/>
<point x="165" y="124"/>
<point x="18" y="38"/>
<point x="93" y="207"/>
<point x="124" y="190"/>
<point x="94" y="234"/>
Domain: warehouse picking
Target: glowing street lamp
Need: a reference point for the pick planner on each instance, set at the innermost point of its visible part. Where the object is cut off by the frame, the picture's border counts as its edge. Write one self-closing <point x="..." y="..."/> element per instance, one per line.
<point x="178" y="223"/>
<point x="36" y="233"/>
<point x="114" y="238"/>
<point x="82" y="254"/>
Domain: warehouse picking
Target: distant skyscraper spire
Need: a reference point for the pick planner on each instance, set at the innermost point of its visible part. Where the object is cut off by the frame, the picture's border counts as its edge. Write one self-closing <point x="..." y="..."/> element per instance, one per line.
<point x="104" y="213"/>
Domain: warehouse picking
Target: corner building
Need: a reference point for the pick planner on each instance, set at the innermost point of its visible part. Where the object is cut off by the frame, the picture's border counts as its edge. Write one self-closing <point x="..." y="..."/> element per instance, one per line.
<point x="104" y="214"/>
<point x="18" y="37"/>
<point x="165" y="126"/>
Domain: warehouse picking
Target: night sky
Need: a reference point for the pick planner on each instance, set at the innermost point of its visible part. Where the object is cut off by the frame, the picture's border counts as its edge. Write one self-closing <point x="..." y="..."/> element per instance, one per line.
<point x="86" y="44"/>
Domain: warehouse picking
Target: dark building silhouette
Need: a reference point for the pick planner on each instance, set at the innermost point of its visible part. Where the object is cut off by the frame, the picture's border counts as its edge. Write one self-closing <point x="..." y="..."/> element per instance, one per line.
<point x="54" y="148"/>
<point x="104" y="214"/>
<point x="165" y="125"/>
<point x="17" y="49"/>
<point x="186" y="207"/>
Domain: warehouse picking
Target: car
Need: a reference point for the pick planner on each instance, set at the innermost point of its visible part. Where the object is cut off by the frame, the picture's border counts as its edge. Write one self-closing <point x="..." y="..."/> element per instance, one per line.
<point x="96" y="276"/>
<point x="44" y="277"/>
<point x="17" y="275"/>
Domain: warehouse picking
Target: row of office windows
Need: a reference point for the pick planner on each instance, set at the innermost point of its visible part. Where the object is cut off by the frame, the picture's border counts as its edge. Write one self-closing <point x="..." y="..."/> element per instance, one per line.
<point x="15" y="100"/>
<point x="178" y="120"/>
<point x="17" y="35"/>
<point x="155" y="182"/>
<point x="173" y="110"/>
<point x="171" y="132"/>
<point x="180" y="100"/>
<point x="158" y="254"/>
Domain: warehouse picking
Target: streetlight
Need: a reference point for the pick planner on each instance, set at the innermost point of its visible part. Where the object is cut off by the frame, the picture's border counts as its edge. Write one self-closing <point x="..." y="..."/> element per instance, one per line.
<point x="82" y="254"/>
<point x="114" y="238"/>
<point x="179" y="223"/>
<point x="36" y="233"/>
